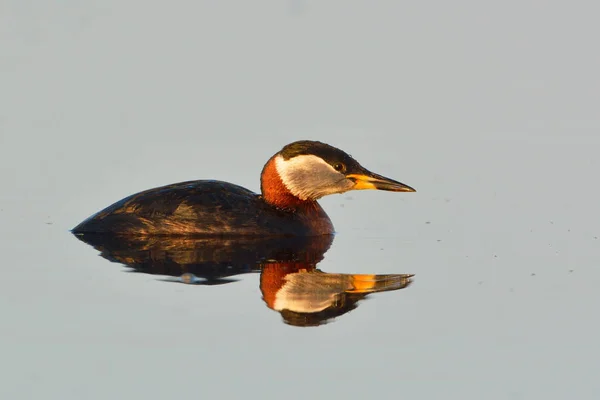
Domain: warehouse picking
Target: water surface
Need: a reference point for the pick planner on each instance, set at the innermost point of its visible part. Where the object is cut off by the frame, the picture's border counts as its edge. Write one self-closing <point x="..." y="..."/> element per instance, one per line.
<point x="490" y="112"/>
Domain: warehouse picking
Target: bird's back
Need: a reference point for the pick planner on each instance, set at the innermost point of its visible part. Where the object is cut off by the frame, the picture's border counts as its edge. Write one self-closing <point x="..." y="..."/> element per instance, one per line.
<point x="202" y="208"/>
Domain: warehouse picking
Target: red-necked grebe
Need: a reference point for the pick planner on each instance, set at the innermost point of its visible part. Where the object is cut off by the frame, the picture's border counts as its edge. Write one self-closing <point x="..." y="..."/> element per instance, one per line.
<point x="291" y="183"/>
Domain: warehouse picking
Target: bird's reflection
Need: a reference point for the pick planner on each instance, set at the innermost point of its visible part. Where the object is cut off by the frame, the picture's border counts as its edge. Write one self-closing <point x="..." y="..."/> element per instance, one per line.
<point x="289" y="280"/>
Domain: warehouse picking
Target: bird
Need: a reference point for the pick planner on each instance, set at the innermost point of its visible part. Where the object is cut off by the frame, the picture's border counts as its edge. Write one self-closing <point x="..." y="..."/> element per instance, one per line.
<point x="292" y="181"/>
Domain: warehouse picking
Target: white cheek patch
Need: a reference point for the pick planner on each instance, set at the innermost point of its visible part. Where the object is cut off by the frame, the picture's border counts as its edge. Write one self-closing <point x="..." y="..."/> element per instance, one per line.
<point x="310" y="177"/>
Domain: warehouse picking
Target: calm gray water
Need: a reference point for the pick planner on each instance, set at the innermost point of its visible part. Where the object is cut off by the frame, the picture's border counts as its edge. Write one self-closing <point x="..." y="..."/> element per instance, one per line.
<point x="490" y="111"/>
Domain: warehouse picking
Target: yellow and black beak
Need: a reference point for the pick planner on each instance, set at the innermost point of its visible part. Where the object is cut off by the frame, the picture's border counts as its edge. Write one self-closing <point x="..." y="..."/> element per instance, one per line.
<point x="369" y="180"/>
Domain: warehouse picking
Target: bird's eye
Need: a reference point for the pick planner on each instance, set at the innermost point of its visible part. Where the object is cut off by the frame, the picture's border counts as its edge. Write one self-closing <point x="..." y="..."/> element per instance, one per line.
<point x="339" y="167"/>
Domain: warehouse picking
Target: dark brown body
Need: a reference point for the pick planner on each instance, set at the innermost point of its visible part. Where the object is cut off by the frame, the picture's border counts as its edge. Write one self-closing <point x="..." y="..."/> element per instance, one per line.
<point x="206" y="208"/>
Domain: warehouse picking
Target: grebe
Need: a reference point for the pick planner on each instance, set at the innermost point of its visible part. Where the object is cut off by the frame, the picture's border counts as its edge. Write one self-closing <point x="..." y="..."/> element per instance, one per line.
<point x="291" y="183"/>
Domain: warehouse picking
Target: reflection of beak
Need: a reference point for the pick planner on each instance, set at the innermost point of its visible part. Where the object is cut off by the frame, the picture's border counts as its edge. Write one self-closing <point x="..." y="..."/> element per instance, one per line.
<point x="378" y="283"/>
<point x="369" y="180"/>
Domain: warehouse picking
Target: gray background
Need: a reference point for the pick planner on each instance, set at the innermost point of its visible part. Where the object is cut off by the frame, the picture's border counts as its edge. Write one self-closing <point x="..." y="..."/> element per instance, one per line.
<point x="490" y="110"/>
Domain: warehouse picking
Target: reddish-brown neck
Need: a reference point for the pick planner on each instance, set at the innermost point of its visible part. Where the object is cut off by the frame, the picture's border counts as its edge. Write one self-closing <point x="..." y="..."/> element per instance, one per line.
<point x="274" y="191"/>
